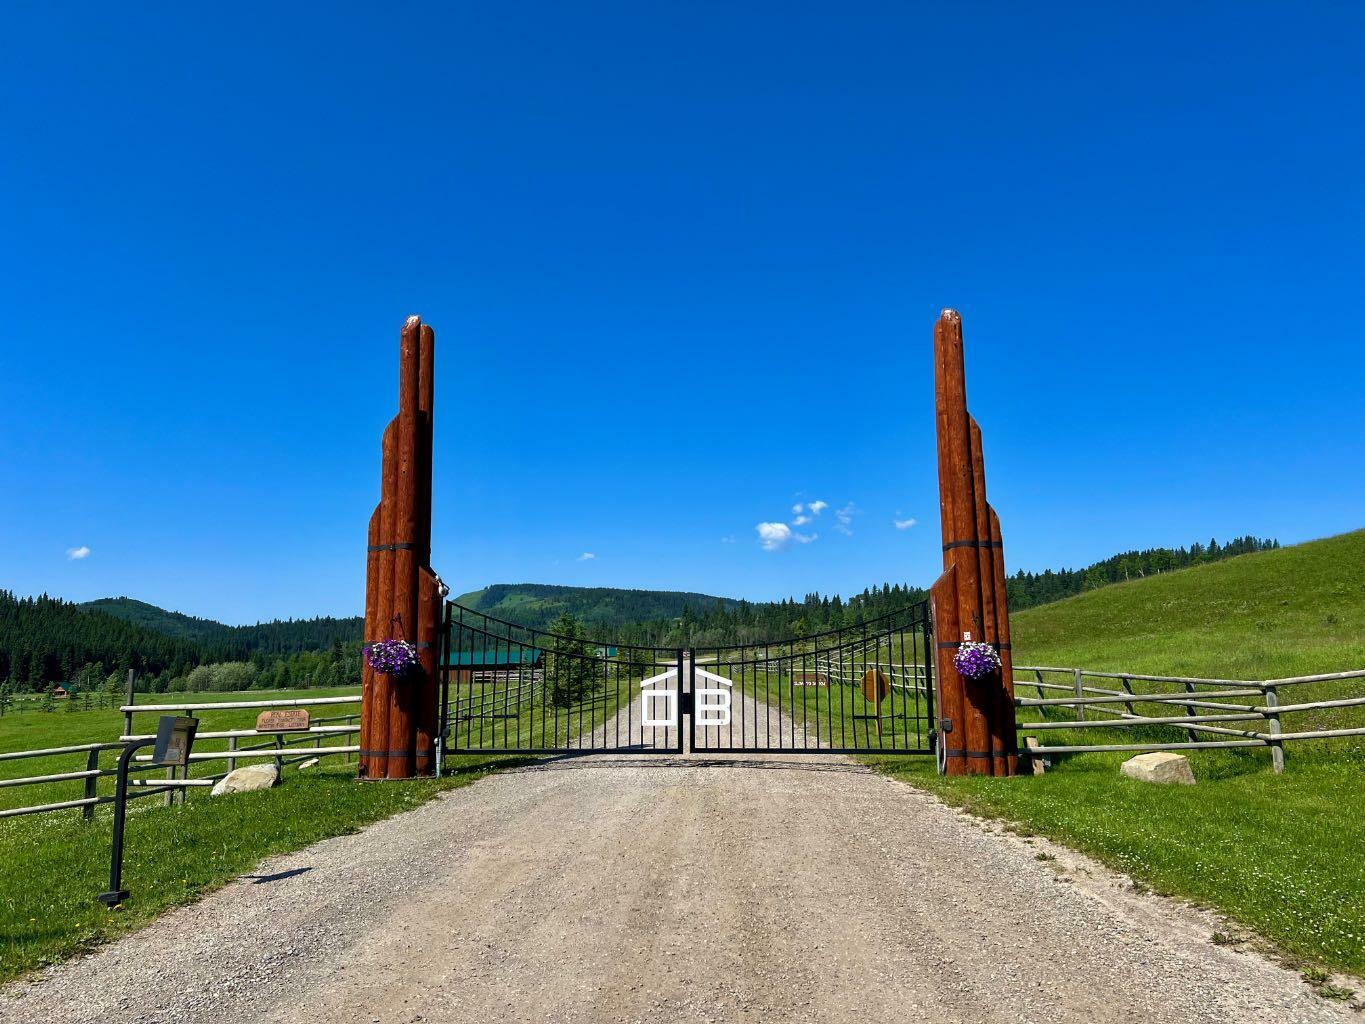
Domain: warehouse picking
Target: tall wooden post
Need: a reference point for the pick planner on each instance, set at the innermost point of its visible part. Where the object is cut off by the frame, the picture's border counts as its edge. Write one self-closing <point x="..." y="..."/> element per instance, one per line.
<point x="976" y="728"/>
<point x="402" y="593"/>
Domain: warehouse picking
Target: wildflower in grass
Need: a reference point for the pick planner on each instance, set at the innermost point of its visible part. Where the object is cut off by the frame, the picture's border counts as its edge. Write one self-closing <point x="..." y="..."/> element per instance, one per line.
<point x="391" y="657"/>
<point x="975" y="660"/>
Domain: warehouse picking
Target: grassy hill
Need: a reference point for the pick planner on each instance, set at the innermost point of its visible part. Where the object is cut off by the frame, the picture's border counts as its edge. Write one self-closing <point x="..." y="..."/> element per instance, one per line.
<point x="538" y="604"/>
<point x="1293" y="611"/>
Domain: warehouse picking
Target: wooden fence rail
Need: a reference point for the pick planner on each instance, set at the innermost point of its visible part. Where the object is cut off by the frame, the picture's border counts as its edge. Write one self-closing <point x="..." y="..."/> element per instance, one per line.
<point x="1207" y="703"/>
<point x="285" y="749"/>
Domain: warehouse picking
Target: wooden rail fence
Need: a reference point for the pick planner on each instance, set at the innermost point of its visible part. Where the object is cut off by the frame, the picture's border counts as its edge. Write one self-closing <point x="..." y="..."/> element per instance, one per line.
<point x="1199" y="707"/>
<point x="283" y="748"/>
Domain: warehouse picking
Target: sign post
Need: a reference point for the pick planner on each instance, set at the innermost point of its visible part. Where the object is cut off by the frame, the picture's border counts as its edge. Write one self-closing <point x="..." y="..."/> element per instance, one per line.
<point x="174" y="740"/>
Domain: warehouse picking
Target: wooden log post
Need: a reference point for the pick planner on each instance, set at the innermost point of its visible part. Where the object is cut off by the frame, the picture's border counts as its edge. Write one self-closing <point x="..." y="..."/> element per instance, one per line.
<point x="943" y="606"/>
<point x="981" y="740"/>
<point x="402" y="594"/>
<point x="429" y="589"/>
<point x="402" y="738"/>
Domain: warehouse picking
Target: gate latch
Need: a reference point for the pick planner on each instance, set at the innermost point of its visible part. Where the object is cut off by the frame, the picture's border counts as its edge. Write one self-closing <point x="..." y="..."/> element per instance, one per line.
<point x="686" y="707"/>
<point x="945" y="725"/>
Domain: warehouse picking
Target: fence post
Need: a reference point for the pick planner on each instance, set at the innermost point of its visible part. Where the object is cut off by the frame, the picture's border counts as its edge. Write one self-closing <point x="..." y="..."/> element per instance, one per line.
<point x="232" y="761"/>
<point x="1080" y="692"/>
<point x="350" y="720"/>
<point x="1128" y="687"/>
<point x="128" y="715"/>
<point x="170" y="790"/>
<point x="1272" y="700"/>
<point x="1039" y="687"/>
<point x="92" y="764"/>
<point x="279" y="761"/>
<point x="1190" y="709"/>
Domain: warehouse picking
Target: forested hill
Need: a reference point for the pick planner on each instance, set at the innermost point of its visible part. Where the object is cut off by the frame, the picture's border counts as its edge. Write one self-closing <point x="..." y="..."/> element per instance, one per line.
<point x="45" y="640"/>
<point x="281" y="636"/>
<point x="538" y="604"/>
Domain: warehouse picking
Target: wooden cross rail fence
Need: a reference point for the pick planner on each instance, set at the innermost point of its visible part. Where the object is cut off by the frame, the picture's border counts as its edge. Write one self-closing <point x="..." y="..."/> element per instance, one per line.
<point x="1207" y="711"/>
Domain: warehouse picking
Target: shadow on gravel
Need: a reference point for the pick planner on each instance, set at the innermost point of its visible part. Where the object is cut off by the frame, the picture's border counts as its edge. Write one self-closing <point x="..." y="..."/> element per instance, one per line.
<point x="803" y="762"/>
<point x="278" y="876"/>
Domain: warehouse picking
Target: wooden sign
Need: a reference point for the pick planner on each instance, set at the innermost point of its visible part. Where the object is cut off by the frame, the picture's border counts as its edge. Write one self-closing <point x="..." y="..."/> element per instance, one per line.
<point x="810" y="679"/>
<point x="284" y="720"/>
<point x="876" y="687"/>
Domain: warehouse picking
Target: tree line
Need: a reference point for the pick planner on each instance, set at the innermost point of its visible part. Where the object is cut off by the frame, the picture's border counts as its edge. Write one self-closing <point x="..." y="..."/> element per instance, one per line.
<point x="724" y="623"/>
<point x="45" y="642"/>
<point x="1027" y="589"/>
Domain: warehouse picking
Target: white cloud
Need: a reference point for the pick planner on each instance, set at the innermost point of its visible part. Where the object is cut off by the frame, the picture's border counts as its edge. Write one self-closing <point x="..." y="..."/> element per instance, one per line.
<point x="586" y="556"/>
<point x="798" y="508"/>
<point x="801" y="520"/>
<point x="776" y="536"/>
<point x="76" y="554"/>
<point x="905" y="524"/>
<point x="728" y="540"/>
<point x="816" y="507"/>
<point x="773" y="536"/>
<point x="845" y="519"/>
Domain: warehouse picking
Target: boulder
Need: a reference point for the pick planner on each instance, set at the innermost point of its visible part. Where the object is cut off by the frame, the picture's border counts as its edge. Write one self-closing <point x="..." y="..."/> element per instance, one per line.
<point x="312" y="762"/>
<point x="247" y="780"/>
<point x="1160" y="766"/>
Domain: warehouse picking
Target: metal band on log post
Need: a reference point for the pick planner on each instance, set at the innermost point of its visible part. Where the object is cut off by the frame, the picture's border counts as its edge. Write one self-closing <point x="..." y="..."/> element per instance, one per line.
<point x="969" y="598"/>
<point x="402" y="593"/>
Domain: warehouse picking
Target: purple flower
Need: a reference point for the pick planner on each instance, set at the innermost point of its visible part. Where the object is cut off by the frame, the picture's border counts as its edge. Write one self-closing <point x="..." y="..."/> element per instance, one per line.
<point x="975" y="660"/>
<point x="391" y="657"/>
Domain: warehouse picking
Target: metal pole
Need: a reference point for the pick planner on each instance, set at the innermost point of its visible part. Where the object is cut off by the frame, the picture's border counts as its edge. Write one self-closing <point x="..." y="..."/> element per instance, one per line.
<point x="116" y="893"/>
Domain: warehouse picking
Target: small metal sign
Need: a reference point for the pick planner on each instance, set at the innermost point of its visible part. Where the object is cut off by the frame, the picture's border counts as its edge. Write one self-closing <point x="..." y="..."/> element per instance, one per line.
<point x="283" y="720"/>
<point x="174" y="738"/>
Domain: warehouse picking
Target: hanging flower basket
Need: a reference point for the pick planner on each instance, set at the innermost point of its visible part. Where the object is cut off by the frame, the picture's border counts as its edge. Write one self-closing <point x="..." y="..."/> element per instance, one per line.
<point x="976" y="660"/>
<point x="391" y="657"/>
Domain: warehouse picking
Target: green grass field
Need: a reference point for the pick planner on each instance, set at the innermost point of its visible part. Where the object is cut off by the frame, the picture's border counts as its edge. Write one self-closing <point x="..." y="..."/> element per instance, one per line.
<point x="1278" y="854"/>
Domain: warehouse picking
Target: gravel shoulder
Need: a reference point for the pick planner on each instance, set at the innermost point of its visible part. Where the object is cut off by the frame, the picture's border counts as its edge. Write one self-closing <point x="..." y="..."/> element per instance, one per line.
<point x="675" y="888"/>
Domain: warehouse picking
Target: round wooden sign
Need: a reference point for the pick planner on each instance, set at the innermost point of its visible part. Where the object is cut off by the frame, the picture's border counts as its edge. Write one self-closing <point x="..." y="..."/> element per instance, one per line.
<point x="876" y="687"/>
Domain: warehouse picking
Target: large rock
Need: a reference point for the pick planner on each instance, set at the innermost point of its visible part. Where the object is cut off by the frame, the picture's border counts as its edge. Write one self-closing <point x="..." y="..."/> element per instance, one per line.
<point x="247" y="780"/>
<point x="1160" y="766"/>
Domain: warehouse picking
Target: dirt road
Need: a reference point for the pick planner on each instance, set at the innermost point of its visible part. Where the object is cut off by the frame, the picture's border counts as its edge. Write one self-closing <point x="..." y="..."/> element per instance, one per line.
<point x="667" y="889"/>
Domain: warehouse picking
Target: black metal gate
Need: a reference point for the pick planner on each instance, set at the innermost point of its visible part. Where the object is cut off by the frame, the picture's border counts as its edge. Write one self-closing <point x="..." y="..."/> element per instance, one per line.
<point x="864" y="689"/>
<point x="510" y="689"/>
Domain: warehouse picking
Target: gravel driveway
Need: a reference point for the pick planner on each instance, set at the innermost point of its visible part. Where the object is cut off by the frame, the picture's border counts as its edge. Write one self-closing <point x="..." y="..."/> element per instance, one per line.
<point x="662" y="888"/>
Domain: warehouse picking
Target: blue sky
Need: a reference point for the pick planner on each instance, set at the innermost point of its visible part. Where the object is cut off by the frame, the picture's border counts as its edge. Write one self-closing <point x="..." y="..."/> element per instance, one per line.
<point x="683" y="262"/>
